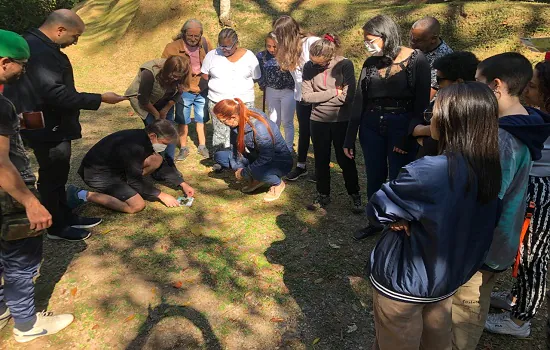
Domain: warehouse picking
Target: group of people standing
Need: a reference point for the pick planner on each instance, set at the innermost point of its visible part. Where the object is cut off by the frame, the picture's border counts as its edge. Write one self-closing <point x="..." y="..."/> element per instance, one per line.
<point x="462" y="154"/>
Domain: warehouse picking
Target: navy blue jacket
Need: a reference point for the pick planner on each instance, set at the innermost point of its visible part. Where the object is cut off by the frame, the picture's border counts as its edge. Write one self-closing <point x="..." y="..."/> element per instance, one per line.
<point x="450" y="232"/>
<point x="263" y="152"/>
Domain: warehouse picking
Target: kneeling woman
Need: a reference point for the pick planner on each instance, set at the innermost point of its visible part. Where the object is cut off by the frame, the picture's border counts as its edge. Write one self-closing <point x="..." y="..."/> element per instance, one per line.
<point x="258" y="151"/>
<point x="432" y="248"/>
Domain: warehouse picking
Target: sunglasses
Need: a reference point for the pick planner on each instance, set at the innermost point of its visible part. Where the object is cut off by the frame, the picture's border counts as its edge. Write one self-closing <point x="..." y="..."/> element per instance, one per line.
<point x="227" y="48"/>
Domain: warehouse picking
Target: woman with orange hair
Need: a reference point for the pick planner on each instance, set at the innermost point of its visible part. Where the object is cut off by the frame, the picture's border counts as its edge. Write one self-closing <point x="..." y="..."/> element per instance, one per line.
<point x="258" y="152"/>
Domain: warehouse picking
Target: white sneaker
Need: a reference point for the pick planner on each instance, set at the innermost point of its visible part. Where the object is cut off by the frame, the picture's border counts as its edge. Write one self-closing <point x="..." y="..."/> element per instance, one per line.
<point x="4" y="319"/>
<point x="503" y="324"/>
<point x="46" y="324"/>
<point x="502" y="300"/>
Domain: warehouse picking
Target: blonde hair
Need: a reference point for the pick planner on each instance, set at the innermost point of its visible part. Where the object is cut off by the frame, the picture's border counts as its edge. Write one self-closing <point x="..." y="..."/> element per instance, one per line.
<point x="326" y="47"/>
<point x="289" y="37"/>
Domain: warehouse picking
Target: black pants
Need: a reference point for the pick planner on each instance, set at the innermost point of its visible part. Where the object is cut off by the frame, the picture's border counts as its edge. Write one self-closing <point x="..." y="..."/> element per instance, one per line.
<point x="54" y="162"/>
<point x="303" y="112"/>
<point x="323" y="134"/>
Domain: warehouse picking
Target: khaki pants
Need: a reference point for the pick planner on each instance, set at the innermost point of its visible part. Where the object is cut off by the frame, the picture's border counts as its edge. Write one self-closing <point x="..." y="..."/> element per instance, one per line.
<point x="407" y="326"/>
<point x="470" y="310"/>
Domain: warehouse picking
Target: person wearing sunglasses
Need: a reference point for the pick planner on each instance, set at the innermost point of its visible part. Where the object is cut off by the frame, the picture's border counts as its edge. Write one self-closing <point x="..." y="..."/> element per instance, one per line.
<point x="456" y="67"/>
<point x="230" y="71"/>
<point x="393" y="89"/>
<point x="191" y="43"/>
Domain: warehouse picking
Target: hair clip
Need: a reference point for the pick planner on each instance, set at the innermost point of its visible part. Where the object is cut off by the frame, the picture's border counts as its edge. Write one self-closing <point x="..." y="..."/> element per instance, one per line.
<point x="329" y="37"/>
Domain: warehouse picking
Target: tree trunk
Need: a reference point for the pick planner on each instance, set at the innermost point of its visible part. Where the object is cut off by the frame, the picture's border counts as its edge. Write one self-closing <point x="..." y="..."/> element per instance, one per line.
<point x="225" y="12"/>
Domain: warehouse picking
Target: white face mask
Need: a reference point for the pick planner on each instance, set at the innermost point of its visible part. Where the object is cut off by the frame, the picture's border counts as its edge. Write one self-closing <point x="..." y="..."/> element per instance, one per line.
<point x="373" y="48"/>
<point x="159" y="147"/>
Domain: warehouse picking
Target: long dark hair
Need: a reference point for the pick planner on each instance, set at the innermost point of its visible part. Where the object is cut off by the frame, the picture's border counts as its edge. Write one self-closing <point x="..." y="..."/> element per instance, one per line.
<point x="384" y="27"/>
<point x="227" y="109"/>
<point x="466" y="116"/>
<point x="174" y="72"/>
<point x="543" y="73"/>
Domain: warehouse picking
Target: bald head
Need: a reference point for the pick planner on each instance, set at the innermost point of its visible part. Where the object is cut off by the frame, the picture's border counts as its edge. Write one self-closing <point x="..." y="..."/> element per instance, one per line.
<point x="425" y="33"/>
<point x="63" y="27"/>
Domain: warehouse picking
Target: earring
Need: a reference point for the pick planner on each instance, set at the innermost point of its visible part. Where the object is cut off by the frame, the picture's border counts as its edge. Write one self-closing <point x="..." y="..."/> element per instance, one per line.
<point x="497" y="93"/>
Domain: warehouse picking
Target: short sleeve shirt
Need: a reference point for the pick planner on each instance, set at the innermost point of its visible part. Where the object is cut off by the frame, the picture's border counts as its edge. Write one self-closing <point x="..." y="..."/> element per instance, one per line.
<point x="442" y="50"/>
<point x="227" y="79"/>
<point x="9" y="126"/>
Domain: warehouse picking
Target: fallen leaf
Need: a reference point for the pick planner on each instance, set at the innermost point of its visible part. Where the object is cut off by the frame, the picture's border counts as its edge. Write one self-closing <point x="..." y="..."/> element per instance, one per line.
<point x="63" y="291"/>
<point x="277" y="319"/>
<point x="130" y="113"/>
<point x="95" y="327"/>
<point x="352" y="328"/>
<point x="107" y="231"/>
<point x="305" y="229"/>
<point x="178" y="284"/>
<point x="184" y="269"/>
<point x="186" y="304"/>
<point x="316" y="341"/>
<point x="334" y="246"/>
<point x="318" y="280"/>
<point x="247" y="294"/>
<point x="129" y="318"/>
<point x="154" y="291"/>
<point x="73" y="291"/>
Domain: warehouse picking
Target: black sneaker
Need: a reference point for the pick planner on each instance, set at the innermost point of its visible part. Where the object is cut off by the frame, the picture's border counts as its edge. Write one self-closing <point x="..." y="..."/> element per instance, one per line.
<point x="83" y="222"/>
<point x="312" y="178"/>
<point x="357" y="207"/>
<point x="321" y="201"/>
<point x="366" y="232"/>
<point x="296" y="174"/>
<point x="70" y="234"/>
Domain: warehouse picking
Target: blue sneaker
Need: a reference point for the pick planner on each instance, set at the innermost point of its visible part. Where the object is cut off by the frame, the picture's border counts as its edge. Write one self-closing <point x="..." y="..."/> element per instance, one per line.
<point x="72" y="196"/>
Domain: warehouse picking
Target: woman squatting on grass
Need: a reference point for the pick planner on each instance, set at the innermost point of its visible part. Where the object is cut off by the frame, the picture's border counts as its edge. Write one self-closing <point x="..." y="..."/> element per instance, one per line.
<point x="258" y="152"/>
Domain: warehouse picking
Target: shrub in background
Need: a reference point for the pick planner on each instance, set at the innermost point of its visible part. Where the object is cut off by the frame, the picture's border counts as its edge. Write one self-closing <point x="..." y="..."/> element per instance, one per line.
<point x="20" y="15"/>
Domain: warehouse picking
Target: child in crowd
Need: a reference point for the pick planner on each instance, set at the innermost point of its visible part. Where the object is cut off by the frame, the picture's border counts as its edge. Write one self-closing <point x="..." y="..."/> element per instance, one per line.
<point x="278" y="87"/>
<point x="329" y="86"/>
<point x="527" y="295"/>
<point x="522" y="133"/>
<point x="258" y="153"/>
<point x="432" y="248"/>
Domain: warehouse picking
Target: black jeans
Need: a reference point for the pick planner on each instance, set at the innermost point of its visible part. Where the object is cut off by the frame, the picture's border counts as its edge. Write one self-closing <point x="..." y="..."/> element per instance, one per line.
<point x="54" y="161"/>
<point x="323" y="134"/>
<point x="303" y="112"/>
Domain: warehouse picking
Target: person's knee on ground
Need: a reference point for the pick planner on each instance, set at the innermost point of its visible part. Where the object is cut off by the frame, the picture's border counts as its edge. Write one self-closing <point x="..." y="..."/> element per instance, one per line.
<point x="152" y="163"/>
<point x="135" y="204"/>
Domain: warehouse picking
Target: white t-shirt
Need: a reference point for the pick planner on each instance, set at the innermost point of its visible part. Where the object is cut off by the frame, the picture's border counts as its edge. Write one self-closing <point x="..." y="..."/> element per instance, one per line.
<point x="228" y="79"/>
<point x="304" y="58"/>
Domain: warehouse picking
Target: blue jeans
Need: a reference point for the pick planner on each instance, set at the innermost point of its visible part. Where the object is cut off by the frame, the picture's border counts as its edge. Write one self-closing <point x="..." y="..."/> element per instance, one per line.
<point x="379" y="134"/>
<point x="19" y="263"/>
<point x="270" y="174"/>
<point x="171" y="149"/>
<point x="195" y="101"/>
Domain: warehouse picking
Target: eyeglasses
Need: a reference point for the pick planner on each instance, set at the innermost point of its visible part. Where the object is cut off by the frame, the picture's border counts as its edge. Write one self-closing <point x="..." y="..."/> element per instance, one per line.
<point x="370" y="42"/>
<point x="23" y="64"/>
<point x="228" y="48"/>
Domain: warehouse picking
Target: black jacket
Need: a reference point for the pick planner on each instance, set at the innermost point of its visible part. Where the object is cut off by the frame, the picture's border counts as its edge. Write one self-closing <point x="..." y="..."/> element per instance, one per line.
<point x="48" y="86"/>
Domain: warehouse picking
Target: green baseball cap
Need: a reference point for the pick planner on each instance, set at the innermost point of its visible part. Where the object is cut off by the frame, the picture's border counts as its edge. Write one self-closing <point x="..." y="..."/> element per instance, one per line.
<point x="12" y="45"/>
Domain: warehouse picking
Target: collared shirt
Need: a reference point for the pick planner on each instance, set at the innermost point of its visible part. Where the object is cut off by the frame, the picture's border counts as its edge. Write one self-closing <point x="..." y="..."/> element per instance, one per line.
<point x="441" y="50"/>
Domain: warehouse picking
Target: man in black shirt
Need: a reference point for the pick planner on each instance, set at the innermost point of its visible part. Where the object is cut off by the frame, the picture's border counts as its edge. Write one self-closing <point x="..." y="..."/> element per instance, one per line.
<point x="49" y="87"/>
<point x="22" y="217"/>
<point x="117" y="167"/>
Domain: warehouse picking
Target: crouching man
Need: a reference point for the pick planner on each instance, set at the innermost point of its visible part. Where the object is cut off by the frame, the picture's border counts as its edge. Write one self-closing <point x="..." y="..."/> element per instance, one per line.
<point x="117" y="167"/>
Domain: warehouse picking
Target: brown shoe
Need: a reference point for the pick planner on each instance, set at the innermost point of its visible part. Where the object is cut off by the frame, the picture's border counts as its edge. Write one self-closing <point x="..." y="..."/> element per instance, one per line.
<point x="275" y="192"/>
<point x="252" y="186"/>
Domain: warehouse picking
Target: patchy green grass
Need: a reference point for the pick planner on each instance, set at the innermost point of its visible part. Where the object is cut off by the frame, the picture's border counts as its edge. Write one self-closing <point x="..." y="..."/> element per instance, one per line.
<point x="232" y="271"/>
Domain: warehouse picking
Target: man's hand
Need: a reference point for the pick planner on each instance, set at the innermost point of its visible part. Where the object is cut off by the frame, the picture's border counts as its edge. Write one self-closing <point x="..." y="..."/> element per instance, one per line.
<point x="168" y="200"/>
<point x="112" y="98"/>
<point x="38" y="216"/>
<point x="349" y="153"/>
<point x="339" y="90"/>
<point x="420" y="141"/>
<point x="239" y="174"/>
<point x="401" y="225"/>
<point x="188" y="190"/>
<point x="421" y="130"/>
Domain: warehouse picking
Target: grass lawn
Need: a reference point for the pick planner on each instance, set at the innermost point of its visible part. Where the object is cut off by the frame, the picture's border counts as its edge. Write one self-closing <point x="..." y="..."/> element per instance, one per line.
<point x="233" y="272"/>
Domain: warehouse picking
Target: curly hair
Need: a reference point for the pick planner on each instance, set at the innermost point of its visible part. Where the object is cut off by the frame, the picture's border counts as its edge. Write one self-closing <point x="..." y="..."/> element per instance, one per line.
<point x="458" y="65"/>
<point x="289" y="37"/>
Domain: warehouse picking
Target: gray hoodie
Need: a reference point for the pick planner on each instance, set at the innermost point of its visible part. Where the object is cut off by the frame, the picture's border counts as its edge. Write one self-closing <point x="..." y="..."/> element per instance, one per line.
<point x="541" y="168"/>
<point x="319" y="88"/>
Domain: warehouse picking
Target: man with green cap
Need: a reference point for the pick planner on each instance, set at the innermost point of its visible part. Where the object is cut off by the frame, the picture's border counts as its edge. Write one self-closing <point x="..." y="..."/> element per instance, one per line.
<point x="22" y="218"/>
